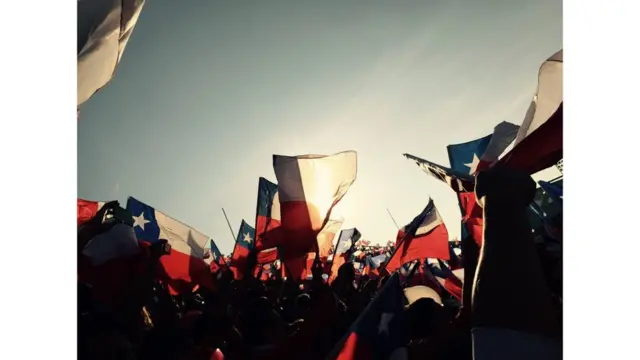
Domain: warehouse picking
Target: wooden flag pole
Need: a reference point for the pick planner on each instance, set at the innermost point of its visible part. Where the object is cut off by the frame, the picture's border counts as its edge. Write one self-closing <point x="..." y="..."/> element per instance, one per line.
<point x="228" y="223"/>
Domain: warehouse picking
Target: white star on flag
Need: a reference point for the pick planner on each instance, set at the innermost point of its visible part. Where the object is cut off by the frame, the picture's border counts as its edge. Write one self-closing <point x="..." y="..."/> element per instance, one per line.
<point x="383" y="327"/>
<point x="473" y="165"/>
<point x="140" y="221"/>
<point x="247" y="238"/>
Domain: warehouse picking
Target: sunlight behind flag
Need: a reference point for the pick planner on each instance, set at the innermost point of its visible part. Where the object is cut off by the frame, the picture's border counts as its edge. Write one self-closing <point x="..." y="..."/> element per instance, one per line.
<point x="309" y="186"/>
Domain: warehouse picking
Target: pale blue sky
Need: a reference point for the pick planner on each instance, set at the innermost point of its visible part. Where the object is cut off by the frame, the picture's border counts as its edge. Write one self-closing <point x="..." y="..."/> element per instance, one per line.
<point x="207" y="91"/>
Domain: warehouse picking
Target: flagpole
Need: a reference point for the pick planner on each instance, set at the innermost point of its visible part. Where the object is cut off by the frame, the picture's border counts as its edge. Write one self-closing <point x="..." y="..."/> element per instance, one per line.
<point x="228" y="223"/>
<point x="392" y="219"/>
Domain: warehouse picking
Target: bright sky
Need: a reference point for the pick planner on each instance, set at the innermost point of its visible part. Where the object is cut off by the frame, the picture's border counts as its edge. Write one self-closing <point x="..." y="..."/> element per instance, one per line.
<point x="207" y="91"/>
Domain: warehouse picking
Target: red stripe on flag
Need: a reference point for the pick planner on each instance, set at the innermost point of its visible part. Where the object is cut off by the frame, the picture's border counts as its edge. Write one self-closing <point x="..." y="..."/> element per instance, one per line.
<point x="87" y="210"/>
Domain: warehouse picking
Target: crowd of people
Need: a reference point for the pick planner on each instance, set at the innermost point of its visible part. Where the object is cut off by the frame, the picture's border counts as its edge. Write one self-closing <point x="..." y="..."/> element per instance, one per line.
<point x="510" y="307"/>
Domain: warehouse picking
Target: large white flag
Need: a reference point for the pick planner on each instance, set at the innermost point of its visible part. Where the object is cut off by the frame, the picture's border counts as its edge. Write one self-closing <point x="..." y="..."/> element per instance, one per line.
<point x="104" y="27"/>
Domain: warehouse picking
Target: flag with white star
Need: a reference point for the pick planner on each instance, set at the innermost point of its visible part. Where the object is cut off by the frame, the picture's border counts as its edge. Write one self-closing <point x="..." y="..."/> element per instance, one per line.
<point x="184" y="267"/>
<point x="268" y="234"/>
<point x="245" y="240"/>
<point x="478" y="154"/>
<point x="380" y="332"/>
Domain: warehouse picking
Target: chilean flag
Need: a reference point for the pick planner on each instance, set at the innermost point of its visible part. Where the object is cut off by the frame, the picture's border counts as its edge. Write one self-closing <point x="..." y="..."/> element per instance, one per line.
<point x="214" y="258"/>
<point x="344" y="248"/>
<point x="267" y="215"/>
<point x="380" y="332"/>
<point x="451" y="281"/>
<point x="425" y="237"/>
<point x="475" y="155"/>
<point x="87" y="210"/>
<point x="309" y="186"/>
<point x="244" y="245"/>
<point x="184" y="267"/>
<point x="471" y="157"/>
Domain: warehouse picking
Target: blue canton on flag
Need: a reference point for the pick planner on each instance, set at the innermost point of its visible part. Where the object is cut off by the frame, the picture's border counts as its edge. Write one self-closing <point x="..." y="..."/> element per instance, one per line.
<point x="144" y="220"/>
<point x="215" y="252"/>
<point x="465" y="157"/>
<point x="151" y="225"/>
<point x="246" y="236"/>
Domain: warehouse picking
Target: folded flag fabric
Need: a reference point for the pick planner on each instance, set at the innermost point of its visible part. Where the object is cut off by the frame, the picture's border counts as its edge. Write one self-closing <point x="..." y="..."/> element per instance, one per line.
<point x="380" y="332"/>
<point x="104" y="28"/>
<point x="425" y="237"/>
<point x="309" y="186"/>
<point x="184" y="267"/>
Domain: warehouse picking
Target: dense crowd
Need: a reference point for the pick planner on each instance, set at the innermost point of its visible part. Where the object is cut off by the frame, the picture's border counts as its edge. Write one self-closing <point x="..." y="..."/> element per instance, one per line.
<point x="511" y="303"/>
